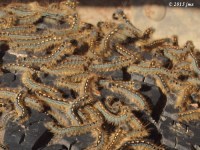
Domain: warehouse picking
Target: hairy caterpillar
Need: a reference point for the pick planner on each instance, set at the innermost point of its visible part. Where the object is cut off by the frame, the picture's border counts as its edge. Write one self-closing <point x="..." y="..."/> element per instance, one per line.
<point x="30" y="101"/>
<point x="152" y="70"/>
<point x="78" y="77"/>
<point x="184" y="95"/>
<point x="19" y="67"/>
<point x="21" y="29"/>
<point x="194" y="63"/>
<point x="63" y="70"/>
<point x="102" y="139"/>
<point x="114" y="138"/>
<point x="135" y="85"/>
<point x="37" y="46"/>
<point x="59" y="116"/>
<point x="73" y="108"/>
<point x="72" y="130"/>
<point x="125" y="52"/>
<point x="3" y="147"/>
<point x="50" y="59"/>
<point x="59" y="103"/>
<point x="70" y="85"/>
<point x="161" y="83"/>
<point x="112" y="66"/>
<point x="20" y="107"/>
<point x="111" y="118"/>
<point x="28" y="81"/>
<point x="135" y="123"/>
<point x="133" y="96"/>
<point x="189" y="115"/>
<point x="140" y="144"/>
<point x="132" y="30"/>
<point x="155" y="43"/>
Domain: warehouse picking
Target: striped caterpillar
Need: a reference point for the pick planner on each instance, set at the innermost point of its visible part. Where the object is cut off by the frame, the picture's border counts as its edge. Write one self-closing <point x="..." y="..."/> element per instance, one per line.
<point x="59" y="103"/>
<point x="111" y="118"/>
<point x="20" y="107"/>
<point x="134" y="97"/>
<point x="59" y="116"/>
<point x="194" y="63"/>
<point x="161" y="83"/>
<point x="135" y="85"/>
<point x="130" y="30"/>
<point x="140" y="144"/>
<point x="189" y="115"/>
<point x="21" y="29"/>
<point x="102" y="139"/>
<point x="125" y="52"/>
<point x="73" y="108"/>
<point x="115" y="138"/>
<point x="70" y="85"/>
<point x="19" y="68"/>
<point x="30" y="83"/>
<point x="72" y="130"/>
<point x="112" y="66"/>
<point x="30" y="101"/>
<point x="152" y="70"/>
<point x="184" y="95"/>
<point x="155" y="43"/>
<point x="88" y="86"/>
<point x="63" y="70"/>
<point x="50" y="59"/>
<point x="37" y="46"/>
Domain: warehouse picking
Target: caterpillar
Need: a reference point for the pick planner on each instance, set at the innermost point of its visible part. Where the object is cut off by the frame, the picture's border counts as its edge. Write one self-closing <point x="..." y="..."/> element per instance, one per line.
<point x="72" y="130"/>
<point x="140" y="144"/>
<point x="114" y="138"/>
<point x="70" y="85"/>
<point x="60" y="116"/>
<point x="111" y="118"/>
<point x="21" y="29"/>
<point x="135" y="123"/>
<point x="59" y="103"/>
<point x="19" y="68"/>
<point x="108" y="38"/>
<point x="50" y="59"/>
<point x="135" y="85"/>
<point x="131" y="30"/>
<point x="20" y="107"/>
<point x="30" y="101"/>
<point x="155" y="43"/>
<point x="3" y="147"/>
<point x="177" y="50"/>
<point x="88" y="86"/>
<point x="111" y="105"/>
<point x="152" y="70"/>
<point x="194" y="63"/>
<point x="131" y="135"/>
<point x="125" y="52"/>
<point x="30" y="83"/>
<point x="29" y="19"/>
<point x="73" y="108"/>
<point x="78" y="77"/>
<point x="161" y="83"/>
<point x="112" y="66"/>
<point x="134" y="97"/>
<point x="184" y="95"/>
<point x="37" y="46"/>
<point x="189" y="115"/>
<point x="63" y="70"/>
<point x="33" y="102"/>
<point x="102" y="139"/>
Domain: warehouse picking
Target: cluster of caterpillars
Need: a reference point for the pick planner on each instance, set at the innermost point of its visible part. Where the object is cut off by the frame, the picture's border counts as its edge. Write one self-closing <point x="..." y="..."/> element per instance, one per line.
<point x="80" y="57"/>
